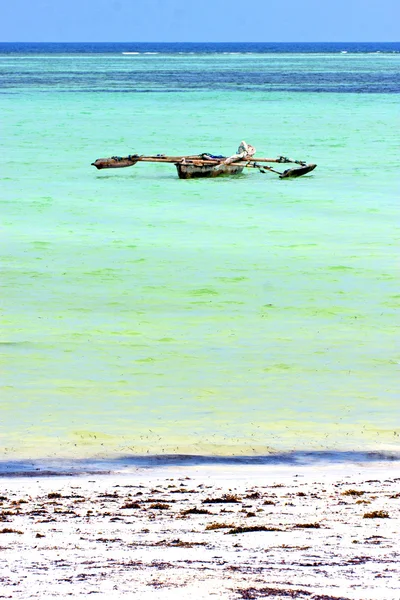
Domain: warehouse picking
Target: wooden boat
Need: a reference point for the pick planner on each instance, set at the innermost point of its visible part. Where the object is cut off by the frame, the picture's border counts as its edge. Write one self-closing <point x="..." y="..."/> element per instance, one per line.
<point x="193" y="169"/>
<point x="208" y="165"/>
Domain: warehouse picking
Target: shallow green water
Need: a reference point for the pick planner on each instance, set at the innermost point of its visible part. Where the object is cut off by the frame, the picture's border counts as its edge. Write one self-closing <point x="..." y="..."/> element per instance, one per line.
<point x="142" y="313"/>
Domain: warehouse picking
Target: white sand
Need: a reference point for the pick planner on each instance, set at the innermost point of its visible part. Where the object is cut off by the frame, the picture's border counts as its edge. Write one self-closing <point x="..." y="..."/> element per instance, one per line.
<point x="67" y="551"/>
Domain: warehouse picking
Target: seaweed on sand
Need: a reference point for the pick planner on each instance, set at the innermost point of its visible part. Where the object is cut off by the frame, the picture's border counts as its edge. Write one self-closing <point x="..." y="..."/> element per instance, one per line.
<point x="377" y="514"/>
<point x="254" y="593"/>
<point x="353" y="493"/>
<point x="196" y="511"/>
<point x="8" y="530"/>
<point x="225" y="499"/>
<point x="214" y="526"/>
<point x="251" y="528"/>
<point x="131" y="505"/>
<point x="159" y="506"/>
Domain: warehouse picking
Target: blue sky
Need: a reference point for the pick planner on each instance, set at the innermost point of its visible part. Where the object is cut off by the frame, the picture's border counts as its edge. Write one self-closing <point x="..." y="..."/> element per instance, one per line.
<point x="199" y="21"/>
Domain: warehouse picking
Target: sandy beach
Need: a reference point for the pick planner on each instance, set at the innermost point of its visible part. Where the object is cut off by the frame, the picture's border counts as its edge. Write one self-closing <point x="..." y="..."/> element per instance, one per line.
<point x="320" y="533"/>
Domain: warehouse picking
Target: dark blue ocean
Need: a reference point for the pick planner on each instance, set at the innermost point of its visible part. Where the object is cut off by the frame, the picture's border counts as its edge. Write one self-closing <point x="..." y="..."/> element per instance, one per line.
<point x="184" y="67"/>
<point x="199" y="48"/>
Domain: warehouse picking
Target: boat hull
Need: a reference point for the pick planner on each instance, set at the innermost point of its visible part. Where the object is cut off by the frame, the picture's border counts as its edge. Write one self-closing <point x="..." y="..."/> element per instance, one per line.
<point x="193" y="171"/>
<point x="297" y="171"/>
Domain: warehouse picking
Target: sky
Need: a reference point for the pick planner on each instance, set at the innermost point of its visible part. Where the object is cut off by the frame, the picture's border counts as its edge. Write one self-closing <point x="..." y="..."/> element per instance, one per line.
<point x="199" y="21"/>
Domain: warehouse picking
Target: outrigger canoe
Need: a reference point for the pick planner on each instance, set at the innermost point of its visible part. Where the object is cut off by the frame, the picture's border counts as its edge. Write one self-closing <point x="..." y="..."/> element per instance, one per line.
<point x="209" y="165"/>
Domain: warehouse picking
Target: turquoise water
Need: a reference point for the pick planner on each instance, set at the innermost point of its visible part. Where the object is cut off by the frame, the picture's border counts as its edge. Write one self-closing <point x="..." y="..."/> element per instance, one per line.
<point x="143" y="313"/>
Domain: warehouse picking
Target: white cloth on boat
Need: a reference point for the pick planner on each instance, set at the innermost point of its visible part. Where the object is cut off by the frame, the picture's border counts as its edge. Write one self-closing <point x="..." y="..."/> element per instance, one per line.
<point x="244" y="151"/>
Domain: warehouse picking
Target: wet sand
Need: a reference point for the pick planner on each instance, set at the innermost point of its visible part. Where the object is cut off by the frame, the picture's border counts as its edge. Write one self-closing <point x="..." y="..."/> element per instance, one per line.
<point x="248" y="532"/>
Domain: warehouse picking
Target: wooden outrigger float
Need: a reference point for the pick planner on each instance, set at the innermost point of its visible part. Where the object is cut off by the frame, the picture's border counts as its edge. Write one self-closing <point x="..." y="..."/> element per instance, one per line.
<point x="208" y="165"/>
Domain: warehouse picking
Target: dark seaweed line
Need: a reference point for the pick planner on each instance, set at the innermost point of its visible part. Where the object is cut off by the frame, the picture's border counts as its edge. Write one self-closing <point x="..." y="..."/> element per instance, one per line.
<point x="51" y="468"/>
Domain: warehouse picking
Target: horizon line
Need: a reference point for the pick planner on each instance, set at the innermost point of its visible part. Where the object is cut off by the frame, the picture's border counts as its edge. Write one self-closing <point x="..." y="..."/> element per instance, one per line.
<point x="201" y="42"/>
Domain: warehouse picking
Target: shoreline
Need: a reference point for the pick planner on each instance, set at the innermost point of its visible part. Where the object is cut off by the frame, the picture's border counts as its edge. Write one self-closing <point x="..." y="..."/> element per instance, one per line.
<point x="229" y="531"/>
<point x="116" y="464"/>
